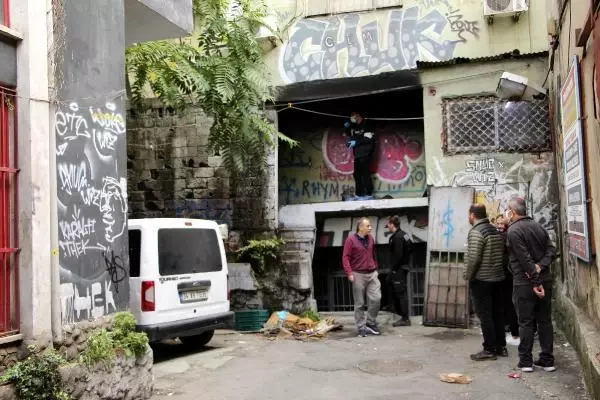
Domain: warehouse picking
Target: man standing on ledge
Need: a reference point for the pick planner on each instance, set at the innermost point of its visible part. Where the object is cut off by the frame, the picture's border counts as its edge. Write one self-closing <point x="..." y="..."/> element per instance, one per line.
<point x="485" y="273"/>
<point x="360" y="264"/>
<point x="362" y="141"/>
<point x="530" y="256"/>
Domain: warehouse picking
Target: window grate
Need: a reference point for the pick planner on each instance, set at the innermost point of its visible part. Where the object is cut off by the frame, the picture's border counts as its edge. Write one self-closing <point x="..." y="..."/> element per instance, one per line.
<point x="478" y="124"/>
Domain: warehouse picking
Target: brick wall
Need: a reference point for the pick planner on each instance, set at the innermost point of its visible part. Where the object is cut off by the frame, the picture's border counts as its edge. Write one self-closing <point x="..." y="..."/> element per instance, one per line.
<point x="172" y="173"/>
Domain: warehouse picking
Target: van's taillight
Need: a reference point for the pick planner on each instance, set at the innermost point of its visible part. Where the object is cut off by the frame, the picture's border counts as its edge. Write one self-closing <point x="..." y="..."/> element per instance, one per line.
<point x="228" y="289"/>
<point x="148" y="303"/>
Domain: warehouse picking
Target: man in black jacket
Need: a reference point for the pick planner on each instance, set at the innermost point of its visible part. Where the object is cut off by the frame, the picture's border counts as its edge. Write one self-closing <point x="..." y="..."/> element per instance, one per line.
<point x="362" y="141"/>
<point x="399" y="268"/>
<point x="530" y="256"/>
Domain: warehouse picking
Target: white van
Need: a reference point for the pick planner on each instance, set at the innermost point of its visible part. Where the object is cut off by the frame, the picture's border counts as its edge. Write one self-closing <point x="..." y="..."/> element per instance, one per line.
<point x="179" y="285"/>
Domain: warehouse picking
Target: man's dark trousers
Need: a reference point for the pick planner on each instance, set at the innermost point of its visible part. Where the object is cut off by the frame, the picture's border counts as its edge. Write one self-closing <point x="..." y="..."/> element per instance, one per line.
<point x="489" y="306"/>
<point x="362" y="177"/>
<point x="398" y="292"/>
<point x="531" y="310"/>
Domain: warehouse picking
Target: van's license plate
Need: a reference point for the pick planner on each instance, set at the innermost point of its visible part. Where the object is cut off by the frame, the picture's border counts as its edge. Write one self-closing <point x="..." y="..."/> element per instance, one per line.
<point x="193" y="295"/>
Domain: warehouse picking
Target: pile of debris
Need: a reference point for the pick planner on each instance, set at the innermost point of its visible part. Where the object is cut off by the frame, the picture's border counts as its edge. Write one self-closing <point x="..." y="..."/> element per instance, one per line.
<point x="283" y="324"/>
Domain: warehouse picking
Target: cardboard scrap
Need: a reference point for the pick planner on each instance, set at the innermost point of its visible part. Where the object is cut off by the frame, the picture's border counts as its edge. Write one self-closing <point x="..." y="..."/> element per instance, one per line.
<point x="455" y="378"/>
<point x="284" y="324"/>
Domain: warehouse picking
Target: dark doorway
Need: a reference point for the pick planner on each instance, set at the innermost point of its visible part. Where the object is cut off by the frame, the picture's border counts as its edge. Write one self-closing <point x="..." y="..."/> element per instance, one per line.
<point x="321" y="168"/>
<point x="332" y="290"/>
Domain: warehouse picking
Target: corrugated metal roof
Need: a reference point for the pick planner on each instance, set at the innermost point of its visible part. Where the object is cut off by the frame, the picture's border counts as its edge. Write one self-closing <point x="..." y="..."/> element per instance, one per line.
<point x="513" y="55"/>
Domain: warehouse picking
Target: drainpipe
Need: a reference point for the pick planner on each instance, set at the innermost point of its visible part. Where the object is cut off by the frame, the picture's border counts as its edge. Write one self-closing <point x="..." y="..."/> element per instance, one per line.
<point x="54" y="264"/>
<point x="53" y="88"/>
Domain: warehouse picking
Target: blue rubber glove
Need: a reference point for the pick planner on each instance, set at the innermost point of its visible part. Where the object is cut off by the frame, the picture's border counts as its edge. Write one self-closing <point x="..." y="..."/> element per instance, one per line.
<point x="352" y="143"/>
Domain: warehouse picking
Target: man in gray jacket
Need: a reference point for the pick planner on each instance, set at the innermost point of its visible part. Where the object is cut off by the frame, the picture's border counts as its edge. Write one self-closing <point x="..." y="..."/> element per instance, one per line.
<point x="485" y="273"/>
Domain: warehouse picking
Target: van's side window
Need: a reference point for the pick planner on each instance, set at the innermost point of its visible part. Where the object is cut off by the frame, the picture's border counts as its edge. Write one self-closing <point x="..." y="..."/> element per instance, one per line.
<point x="188" y="251"/>
<point x="135" y="250"/>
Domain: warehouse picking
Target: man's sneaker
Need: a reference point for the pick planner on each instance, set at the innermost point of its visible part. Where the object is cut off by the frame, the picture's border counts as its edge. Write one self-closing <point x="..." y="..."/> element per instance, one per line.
<point x="525" y="367"/>
<point x="362" y="332"/>
<point x="548" y="367"/>
<point x="483" y="355"/>
<point x="401" y="322"/>
<point x="373" y="330"/>
<point x="503" y="352"/>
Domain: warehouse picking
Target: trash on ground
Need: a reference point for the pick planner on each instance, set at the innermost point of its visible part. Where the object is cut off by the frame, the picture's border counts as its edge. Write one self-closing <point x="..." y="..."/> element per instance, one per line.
<point x="514" y="375"/>
<point x="285" y="325"/>
<point x="455" y="378"/>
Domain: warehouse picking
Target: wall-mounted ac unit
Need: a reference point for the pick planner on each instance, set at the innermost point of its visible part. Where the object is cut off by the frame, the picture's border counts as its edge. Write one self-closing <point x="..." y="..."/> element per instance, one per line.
<point x="499" y="7"/>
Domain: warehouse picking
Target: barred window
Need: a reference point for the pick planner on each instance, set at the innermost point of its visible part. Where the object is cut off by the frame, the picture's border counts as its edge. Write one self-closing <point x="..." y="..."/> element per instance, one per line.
<point x="475" y="124"/>
<point x="9" y="242"/>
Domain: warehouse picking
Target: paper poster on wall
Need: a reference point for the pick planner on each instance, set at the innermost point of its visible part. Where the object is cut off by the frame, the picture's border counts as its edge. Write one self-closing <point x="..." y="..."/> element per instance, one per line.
<point x="574" y="164"/>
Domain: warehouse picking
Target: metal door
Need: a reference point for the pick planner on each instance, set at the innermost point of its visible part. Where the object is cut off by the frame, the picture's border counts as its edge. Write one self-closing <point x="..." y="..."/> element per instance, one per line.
<point x="447" y="293"/>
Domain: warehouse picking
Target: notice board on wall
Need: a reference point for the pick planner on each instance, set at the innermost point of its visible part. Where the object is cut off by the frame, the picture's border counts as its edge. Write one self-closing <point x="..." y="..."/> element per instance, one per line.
<point x="574" y="164"/>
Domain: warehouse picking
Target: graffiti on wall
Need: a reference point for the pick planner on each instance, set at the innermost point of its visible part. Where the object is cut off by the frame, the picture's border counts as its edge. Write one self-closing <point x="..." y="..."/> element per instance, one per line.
<point x="352" y="45"/>
<point x="321" y="168"/>
<point x="215" y="210"/>
<point x="92" y="210"/>
<point x="336" y="230"/>
<point x="498" y="179"/>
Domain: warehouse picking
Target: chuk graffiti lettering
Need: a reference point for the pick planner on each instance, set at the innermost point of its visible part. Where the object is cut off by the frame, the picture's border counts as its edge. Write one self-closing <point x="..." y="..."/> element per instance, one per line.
<point x="92" y="209"/>
<point x="394" y="43"/>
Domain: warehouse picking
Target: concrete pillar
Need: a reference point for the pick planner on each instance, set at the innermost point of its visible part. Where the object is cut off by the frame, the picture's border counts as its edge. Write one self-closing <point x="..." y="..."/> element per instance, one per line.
<point x="29" y="18"/>
<point x="271" y="197"/>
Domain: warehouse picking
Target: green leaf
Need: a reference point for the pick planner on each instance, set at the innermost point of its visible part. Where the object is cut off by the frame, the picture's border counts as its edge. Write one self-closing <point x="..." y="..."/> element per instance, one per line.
<point x="223" y="72"/>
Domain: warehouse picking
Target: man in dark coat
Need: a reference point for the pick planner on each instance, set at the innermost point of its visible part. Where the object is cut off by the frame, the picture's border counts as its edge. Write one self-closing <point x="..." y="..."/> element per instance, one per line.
<point x="400" y="249"/>
<point x="531" y="253"/>
<point x="362" y="141"/>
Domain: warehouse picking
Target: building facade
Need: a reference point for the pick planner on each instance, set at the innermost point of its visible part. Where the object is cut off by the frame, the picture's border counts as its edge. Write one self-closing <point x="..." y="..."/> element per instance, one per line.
<point x="63" y="207"/>
<point x="575" y="36"/>
<point x="426" y="73"/>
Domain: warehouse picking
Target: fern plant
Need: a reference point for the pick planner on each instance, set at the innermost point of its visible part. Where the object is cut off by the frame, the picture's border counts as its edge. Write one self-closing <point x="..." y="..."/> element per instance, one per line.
<point x="261" y="250"/>
<point x="222" y="71"/>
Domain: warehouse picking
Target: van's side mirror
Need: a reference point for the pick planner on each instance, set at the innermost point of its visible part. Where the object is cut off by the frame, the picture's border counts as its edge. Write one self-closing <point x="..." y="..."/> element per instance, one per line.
<point x="224" y="231"/>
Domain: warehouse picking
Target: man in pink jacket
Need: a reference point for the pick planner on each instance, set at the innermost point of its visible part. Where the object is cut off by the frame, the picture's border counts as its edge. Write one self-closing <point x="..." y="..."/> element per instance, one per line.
<point x="360" y="263"/>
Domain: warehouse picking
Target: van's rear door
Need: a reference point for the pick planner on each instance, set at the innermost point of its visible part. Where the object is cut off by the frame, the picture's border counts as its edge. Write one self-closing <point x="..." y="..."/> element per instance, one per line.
<point x="192" y="276"/>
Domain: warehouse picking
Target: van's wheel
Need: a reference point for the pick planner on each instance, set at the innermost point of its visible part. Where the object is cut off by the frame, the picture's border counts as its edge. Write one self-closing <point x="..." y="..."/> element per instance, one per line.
<point x="197" y="340"/>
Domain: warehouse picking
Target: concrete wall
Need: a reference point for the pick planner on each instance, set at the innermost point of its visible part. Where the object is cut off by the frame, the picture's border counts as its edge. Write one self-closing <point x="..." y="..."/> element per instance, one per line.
<point x="578" y="294"/>
<point x="157" y="19"/>
<point x="357" y="44"/>
<point x="89" y="125"/>
<point x="28" y="17"/>
<point x="581" y="280"/>
<point x="531" y="176"/>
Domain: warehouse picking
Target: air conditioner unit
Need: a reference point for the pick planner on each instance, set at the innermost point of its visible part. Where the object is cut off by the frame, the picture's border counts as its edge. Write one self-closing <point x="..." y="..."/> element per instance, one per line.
<point x="499" y="7"/>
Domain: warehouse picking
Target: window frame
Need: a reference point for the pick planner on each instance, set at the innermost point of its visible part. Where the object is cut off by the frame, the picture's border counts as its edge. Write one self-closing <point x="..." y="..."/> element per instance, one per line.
<point x="9" y="221"/>
<point x="6" y="19"/>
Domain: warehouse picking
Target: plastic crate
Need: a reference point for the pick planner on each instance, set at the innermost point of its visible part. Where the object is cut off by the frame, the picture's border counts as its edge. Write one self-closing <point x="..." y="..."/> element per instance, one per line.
<point x="250" y="320"/>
